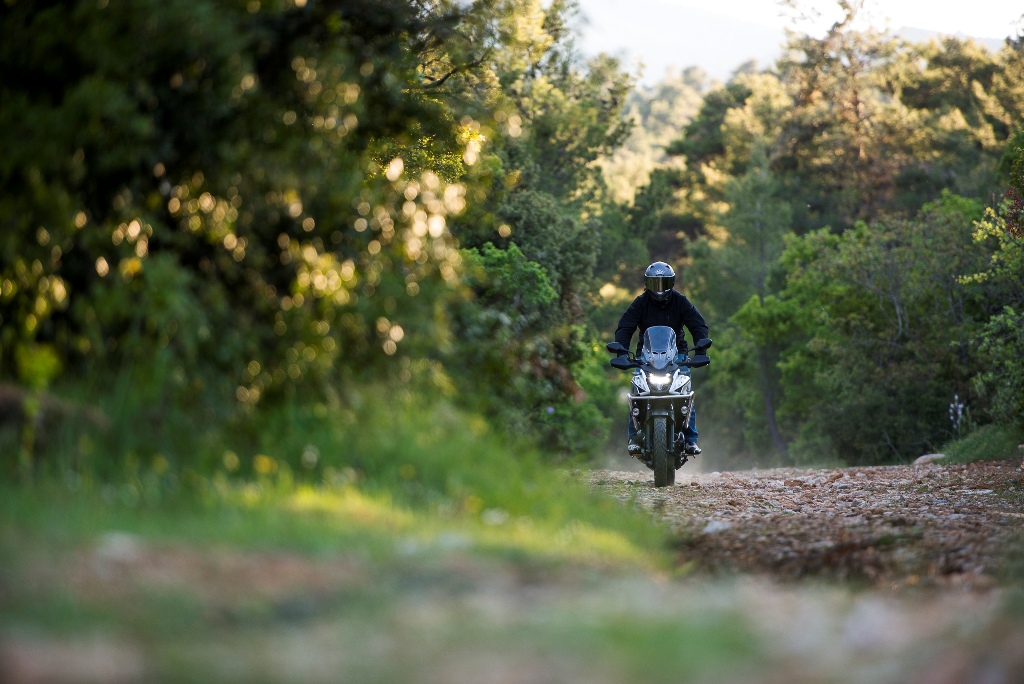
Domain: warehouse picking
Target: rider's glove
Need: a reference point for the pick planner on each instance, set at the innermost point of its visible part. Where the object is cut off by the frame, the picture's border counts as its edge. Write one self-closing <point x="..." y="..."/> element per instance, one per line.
<point x="680" y="357"/>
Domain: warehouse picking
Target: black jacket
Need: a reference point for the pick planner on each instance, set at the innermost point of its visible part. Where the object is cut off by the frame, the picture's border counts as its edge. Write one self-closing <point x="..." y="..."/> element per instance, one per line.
<point x="644" y="312"/>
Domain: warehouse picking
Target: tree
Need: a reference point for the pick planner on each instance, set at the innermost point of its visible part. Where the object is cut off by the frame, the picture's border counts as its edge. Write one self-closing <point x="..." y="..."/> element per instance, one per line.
<point x="857" y="132"/>
<point x="1001" y="339"/>
<point x="727" y="273"/>
<point x="657" y="113"/>
<point x="212" y="184"/>
<point x="878" y="322"/>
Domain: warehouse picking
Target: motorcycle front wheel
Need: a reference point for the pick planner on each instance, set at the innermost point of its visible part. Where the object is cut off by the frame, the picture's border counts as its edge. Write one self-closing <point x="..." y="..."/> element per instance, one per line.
<point x="664" y="470"/>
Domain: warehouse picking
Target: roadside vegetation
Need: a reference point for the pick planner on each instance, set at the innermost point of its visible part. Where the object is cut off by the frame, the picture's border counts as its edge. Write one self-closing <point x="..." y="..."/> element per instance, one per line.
<point x="849" y="220"/>
<point x="988" y="443"/>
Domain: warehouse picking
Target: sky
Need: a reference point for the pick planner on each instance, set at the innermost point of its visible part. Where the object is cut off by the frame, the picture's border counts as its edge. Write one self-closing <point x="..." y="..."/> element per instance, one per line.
<point x="719" y="36"/>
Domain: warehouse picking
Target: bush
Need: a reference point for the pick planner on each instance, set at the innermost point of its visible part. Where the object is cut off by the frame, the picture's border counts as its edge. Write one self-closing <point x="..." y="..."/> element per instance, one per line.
<point x="1002" y="345"/>
<point x="403" y="445"/>
<point x="987" y="443"/>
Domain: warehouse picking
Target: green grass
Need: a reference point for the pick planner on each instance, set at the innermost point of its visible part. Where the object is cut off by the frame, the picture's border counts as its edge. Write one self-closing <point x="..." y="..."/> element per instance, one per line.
<point x="987" y="443"/>
<point x="423" y="570"/>
<point x="407" y="461"/>
<point x="408" y="477"/>
<point x="276" y="514"/>
<point x="380" y="539"/>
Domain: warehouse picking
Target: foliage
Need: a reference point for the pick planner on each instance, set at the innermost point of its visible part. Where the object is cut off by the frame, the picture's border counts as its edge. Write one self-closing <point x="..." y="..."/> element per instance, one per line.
<point x="834" y="197"/>
<point x="1000" y="341"/>
<point x="1012" y="167"/>
<point x="723" y="277"/>
<point x="232" y="206"/>
<point x="233" y="224"/>
<point x="626" y="232"/>
<point x="406" y="456"/>
<point x="987" y="443"/>
<point x="876" y="320"/>
<point x="547" y="200"/>
<point x="657" y="113"/>
<point x="278" y="212"/>
<point x="549" y="236"/>
<point x="515" y="342"/>
<point x="859" y="124"/>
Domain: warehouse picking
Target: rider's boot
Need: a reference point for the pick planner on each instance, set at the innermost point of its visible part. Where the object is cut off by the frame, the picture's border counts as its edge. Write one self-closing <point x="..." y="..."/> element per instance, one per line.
<point x="633" y="447"/>
<point x="691" y="449"/>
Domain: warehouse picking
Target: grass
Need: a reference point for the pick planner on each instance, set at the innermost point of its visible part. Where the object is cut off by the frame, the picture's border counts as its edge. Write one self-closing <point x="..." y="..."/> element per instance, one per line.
<point x="321" y="519"/>
<point x="389" y="459"/>
<point x="987" y="443"/>
<point x="244" y="579"/>
<point x="308" y="518"/>
<point x="376" y="542"/>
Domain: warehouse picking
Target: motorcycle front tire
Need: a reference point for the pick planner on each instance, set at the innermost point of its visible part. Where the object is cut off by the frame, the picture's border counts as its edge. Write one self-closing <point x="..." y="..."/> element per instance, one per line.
<point x="664" y="470"/>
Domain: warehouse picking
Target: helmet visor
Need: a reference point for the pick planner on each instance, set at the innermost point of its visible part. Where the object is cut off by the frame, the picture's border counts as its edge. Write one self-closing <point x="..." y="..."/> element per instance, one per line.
<point x="659" y="284"/>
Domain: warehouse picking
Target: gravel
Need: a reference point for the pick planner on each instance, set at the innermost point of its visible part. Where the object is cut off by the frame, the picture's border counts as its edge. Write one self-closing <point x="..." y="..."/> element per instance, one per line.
<point x="896" y="526"/>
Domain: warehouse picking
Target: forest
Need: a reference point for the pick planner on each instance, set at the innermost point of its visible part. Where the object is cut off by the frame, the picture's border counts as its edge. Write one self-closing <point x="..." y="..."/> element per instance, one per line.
<point x="216" y="214"/>
<point x="263" y="251"/>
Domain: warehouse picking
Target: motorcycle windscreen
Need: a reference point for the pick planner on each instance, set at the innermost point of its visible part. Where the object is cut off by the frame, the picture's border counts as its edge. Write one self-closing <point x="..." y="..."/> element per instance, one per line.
<point x="659" y="347"/>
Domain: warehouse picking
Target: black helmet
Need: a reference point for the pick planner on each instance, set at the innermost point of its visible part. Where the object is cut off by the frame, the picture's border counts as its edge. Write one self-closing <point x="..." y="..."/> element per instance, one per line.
<point x="659" y="279"/>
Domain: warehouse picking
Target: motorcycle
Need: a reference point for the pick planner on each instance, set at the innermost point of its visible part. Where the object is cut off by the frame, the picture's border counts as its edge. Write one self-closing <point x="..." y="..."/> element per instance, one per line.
<point x="661" y="397"/>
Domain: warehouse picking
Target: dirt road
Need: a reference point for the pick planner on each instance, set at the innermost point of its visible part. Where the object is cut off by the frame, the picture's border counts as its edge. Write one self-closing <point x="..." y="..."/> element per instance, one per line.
<point x="894" y="526"/>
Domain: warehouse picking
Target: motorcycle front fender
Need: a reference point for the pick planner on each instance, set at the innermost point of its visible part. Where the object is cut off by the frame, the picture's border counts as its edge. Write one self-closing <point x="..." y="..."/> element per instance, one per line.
<point x="675" y="406"/>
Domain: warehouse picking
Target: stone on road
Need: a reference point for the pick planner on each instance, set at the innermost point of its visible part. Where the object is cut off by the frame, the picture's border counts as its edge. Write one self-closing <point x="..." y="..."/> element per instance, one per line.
<point x="894" y="526"/>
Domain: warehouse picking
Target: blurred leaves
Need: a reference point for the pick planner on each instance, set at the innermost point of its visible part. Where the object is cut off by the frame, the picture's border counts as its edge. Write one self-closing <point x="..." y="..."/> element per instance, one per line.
<point x="230" y="204"/>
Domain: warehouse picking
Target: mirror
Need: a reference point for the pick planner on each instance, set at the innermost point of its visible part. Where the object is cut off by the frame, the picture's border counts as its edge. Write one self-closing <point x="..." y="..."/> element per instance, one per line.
<point x="616" y="348"/>
<point x="702" y="345"/>
<point x="622" y="363"/>
<point x="698" y="361"/>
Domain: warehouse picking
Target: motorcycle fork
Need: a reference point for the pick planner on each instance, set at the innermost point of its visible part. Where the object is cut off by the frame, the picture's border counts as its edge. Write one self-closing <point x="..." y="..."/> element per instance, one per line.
<point x="651" y="414"/>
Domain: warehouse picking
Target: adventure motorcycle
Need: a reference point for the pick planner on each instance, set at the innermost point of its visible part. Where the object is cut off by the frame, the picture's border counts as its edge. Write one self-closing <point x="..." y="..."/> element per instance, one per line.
<point x="661" y="397"/>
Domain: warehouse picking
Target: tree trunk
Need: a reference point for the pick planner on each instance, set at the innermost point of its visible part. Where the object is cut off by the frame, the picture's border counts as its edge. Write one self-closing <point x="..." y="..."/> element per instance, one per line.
<point x="769" y="403"/>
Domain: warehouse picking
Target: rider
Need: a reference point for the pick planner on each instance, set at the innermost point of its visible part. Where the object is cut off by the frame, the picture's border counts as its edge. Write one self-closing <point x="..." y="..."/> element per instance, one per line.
<point x="660" y="304"/>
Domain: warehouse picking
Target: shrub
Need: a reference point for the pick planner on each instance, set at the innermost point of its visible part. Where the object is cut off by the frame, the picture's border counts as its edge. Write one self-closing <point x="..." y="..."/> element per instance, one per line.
<point x="987" y="443"/>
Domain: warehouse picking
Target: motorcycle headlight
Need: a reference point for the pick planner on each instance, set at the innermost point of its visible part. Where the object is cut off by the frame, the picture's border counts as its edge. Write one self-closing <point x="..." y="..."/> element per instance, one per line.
<point x="659" y="382"/>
